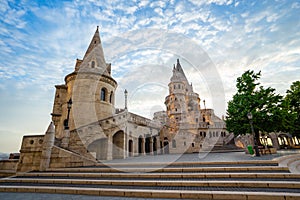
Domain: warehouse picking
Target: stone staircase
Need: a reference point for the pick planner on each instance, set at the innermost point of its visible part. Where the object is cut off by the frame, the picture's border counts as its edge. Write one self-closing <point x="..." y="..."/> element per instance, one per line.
<point x="250" y="179"/>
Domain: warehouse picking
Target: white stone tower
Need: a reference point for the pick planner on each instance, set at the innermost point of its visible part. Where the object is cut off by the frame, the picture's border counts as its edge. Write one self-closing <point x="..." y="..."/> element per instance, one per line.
<point x="182" y="103"/>
<point x="91" y="88"/>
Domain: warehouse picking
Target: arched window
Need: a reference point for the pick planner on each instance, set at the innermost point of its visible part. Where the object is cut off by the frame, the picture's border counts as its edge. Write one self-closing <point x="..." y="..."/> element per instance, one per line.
<point x="111" y="97"/>
<point x="93" y="64"/>
<point x="103" y="94"/>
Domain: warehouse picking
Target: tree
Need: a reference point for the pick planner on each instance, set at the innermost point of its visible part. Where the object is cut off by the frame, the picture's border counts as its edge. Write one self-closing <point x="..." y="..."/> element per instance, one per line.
<point x="264" y="104"/>
<point x="292" y="103"/>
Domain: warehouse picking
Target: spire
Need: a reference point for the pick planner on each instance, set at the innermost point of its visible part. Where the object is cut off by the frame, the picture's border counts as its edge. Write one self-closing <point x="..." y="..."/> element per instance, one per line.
<point x="93" y="60"/>
<point x="178" y="67"/>
<point x="178" y="73"/>
<point x="95" y="41"/>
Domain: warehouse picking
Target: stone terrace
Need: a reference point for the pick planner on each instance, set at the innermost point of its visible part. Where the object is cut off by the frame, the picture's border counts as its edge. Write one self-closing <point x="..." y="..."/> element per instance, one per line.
<point x="192" y="176"/>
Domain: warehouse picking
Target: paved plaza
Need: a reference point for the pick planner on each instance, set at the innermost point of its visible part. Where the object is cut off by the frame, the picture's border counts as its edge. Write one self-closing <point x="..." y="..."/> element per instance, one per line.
<point x="202" y="157"/>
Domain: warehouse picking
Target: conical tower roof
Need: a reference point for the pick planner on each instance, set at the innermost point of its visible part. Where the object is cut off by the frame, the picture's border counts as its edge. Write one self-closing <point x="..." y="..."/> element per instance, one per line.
<point x="94" y="42"/>
<point x="93" y="60"/>
<point x="178" y="73"/>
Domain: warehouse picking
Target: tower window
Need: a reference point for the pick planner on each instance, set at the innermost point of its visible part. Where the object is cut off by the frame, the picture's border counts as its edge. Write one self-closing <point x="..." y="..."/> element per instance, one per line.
<point x="111" y="97"/>
<point x="103" y="94"/>
<point x="93" y="64"/>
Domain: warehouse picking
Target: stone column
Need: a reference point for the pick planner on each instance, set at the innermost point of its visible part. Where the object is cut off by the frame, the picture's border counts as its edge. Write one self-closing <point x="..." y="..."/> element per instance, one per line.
<point x="151" y="146"/>
<point x="109" y="147"/>
<point x="125" y="146"/>
<point x="47" y="147"/>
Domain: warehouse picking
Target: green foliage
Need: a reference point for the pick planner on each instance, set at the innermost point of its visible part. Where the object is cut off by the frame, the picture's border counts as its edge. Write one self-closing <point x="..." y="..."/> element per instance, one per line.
<point x="264" y="104"/>
<point x="292" y="103"/>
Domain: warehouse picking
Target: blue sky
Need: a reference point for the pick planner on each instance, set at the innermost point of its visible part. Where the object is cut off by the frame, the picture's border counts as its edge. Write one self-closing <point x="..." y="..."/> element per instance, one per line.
<point x="40" y="41"/>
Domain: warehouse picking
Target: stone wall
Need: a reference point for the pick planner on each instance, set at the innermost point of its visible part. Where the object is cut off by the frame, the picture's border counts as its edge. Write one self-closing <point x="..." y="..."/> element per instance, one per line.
<point x="9" y="165"/>
<point x="61" y="158"/>
<point x="30" y="153"/>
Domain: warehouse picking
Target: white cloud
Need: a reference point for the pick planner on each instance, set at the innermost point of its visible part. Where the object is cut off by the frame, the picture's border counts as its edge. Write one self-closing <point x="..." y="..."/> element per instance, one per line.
<point x="237" y="35"/>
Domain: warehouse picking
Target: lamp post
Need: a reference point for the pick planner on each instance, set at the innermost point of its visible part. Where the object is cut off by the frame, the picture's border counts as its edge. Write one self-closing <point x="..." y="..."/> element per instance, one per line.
<point x="66" y="122"/>
<point x="250" y="116"/>
<point x="125" y="93"/>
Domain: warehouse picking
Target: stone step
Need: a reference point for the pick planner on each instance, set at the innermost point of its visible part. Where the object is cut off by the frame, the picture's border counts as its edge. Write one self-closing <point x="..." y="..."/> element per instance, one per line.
<point x="169" y="176"/>
<point x="162" y="175"/>
<point x="192" y="164"/>
<point x="209" y="180"/>
<point x="271" y="169"/>
<point x="152" y="193"/>
<point x="156" y="183"/>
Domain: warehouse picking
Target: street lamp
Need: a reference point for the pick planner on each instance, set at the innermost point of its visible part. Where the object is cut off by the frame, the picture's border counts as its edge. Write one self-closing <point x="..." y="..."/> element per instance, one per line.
<point x="66" y="122"/>
<point x="125" y="93"/>
<point x="250" y="116"/>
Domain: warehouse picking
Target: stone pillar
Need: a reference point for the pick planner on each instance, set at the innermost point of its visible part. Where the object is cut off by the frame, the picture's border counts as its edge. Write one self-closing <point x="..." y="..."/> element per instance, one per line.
<point x="109" y="147"/>
<point x="125" y="146"/>
<point x="135" y="146"/>
<point x="151" y="146"/>
<point x="65" y="140"/>
<point x="47" y="147"/>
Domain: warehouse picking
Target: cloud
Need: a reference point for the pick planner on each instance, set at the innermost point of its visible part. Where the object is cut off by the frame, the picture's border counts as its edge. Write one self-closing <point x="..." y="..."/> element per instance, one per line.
<point x="40" y="42"/>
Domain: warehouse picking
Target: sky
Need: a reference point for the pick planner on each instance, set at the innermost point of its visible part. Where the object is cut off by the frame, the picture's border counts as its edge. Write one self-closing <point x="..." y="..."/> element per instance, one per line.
<point x="215" y="40"/>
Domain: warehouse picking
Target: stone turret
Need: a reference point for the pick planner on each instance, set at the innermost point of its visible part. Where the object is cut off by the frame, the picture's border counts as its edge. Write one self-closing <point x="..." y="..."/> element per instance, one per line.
<point x="181" y="102"/>
<point x="91" y="88"/>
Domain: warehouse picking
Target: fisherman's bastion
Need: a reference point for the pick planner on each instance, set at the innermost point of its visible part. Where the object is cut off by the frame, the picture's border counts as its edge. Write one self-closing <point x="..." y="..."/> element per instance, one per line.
<point x="87" y="128"/>
<point x="93" y="148"/>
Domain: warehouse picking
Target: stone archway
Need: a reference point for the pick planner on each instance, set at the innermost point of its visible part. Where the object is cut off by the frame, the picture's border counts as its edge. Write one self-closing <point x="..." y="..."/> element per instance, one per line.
<point x="166" y="146"/>
<point x="140" y="145"/>
<point x="130" y="148"/>
<point x="154" y="145"/>
<point x="118" y="145"/>
<point x="98" y="148"/>
<point x="147" y="145"/>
